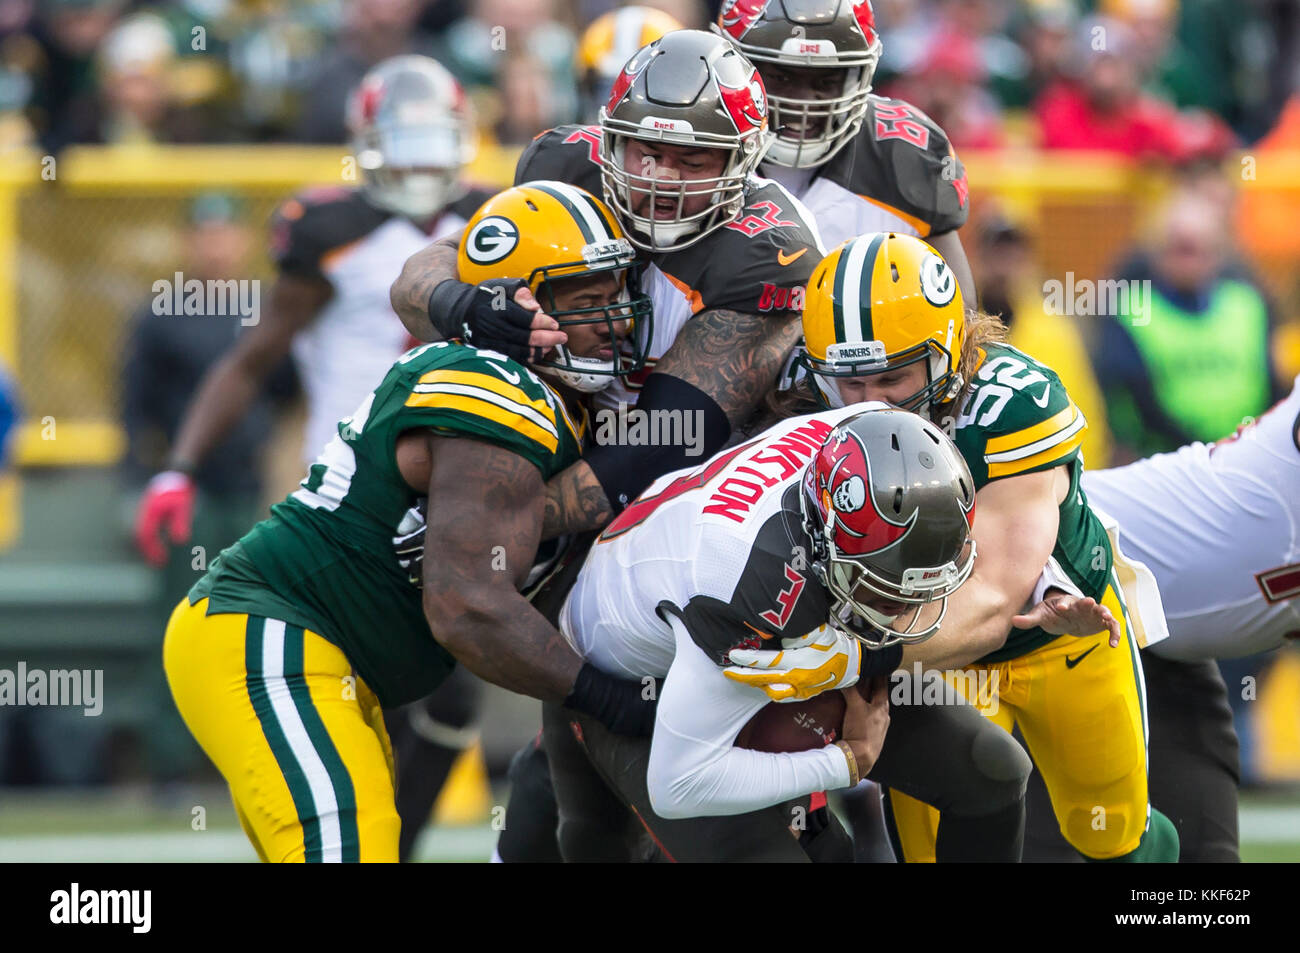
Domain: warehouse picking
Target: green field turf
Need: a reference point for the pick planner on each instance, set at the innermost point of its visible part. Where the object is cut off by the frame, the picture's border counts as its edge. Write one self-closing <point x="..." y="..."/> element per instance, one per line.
<point x="117" y="826"/>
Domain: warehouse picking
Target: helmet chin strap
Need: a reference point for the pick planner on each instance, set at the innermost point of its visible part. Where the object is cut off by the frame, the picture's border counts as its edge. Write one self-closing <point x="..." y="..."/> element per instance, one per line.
<point x="583" y="383"/>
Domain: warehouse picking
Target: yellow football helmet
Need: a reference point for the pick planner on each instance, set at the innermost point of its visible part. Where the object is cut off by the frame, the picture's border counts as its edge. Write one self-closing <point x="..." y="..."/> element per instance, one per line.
<point x="609" y="43"/>
<point x="542" y="232"/>
<point x="879" y="302"/>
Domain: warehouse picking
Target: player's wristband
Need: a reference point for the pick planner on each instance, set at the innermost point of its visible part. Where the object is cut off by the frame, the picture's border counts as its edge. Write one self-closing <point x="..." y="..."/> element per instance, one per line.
<point x="449" y="304"/>
<point x="619" y="704"/>
<point x="852" y="759"/>
<point x="880" y="662"/>
<point x="625" y="470"/>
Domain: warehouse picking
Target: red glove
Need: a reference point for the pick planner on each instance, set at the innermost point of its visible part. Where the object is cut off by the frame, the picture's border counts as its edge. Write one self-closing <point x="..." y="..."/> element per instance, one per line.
<point x="168" y="499"/>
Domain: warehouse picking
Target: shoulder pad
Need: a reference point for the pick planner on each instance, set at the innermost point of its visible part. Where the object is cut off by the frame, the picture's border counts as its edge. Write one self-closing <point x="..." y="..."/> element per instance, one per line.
<point x="1017" y="417"/>
<point x="903" y="159"/>
<point x="308" y="226"/>
<point x="565" y="154"/>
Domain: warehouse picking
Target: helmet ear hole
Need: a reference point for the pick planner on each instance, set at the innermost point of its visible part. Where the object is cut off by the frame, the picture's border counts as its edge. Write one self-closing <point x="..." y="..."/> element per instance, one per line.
<point x="893" y="270"/>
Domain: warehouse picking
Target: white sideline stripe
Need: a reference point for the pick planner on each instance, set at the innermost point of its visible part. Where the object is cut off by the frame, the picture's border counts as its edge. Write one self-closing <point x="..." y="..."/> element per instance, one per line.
<point x="229" y="846"/>
<point x="295" y="732"/>
<point x="1277" y="825"/>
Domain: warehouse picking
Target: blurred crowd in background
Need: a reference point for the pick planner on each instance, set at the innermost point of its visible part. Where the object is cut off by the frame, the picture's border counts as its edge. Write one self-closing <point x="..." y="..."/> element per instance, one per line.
<point x="1177" y="78"/>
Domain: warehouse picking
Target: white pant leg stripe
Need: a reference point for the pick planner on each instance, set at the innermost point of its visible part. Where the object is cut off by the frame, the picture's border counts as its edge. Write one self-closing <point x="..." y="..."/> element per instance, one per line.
<point x="295" y="732"/>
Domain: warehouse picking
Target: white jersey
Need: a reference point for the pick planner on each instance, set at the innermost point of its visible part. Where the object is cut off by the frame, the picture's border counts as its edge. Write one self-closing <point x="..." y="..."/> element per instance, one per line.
<point x="1219" y="525"/>
<point x="356" y="336"/>
<point x="707" y="560"/>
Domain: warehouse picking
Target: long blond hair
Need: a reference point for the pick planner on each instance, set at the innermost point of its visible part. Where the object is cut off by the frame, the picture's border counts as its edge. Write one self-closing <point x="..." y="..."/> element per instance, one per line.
<point x="982" y="329"/>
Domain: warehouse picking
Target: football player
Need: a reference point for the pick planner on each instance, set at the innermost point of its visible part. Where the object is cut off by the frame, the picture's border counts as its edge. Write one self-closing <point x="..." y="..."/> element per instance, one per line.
<point x="1216" y="525"/>
<point x="884" y="320"/>
<point x="860" y="163"/>
<point x="337" y="251"/>
<point x="283" y="653"/>
<point x="727" y="257"/>
<point x="855" y="519"/>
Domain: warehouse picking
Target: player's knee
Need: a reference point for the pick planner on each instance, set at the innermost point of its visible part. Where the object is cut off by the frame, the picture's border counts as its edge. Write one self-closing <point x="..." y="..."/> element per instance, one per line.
<point x="1131" y="840"/>
<point x="997" y="774"/>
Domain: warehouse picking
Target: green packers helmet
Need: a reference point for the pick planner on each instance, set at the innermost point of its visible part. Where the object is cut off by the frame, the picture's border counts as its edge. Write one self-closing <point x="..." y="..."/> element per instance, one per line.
<point x="880" y="302"/>
<point x="543" y="232"/>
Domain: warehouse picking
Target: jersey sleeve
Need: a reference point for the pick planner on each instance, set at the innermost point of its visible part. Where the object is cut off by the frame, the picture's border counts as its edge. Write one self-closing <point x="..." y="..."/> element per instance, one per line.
<point x="774" y="597"/>
<point x="1021" y="419"/>
<point x="498" y="402"/>
<point x="694" y="768"/>
<point x="306" y="228"/>
<point x="905" y="162"/>
<point x="769" y="251"/>
<point x="568" y="154"/>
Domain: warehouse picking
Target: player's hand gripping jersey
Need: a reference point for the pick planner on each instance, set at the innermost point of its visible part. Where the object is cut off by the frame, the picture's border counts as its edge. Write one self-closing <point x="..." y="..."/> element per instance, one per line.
<point x="323" y="560"/>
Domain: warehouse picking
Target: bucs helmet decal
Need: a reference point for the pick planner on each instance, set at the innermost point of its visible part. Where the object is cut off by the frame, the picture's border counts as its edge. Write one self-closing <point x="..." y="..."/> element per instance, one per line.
<point x="746" y="104"/>
<point x="844" y="495"/>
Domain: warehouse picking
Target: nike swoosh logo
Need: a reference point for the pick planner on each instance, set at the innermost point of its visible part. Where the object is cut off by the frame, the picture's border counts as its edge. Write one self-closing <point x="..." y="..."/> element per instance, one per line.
<point x="784" y="259"/>
<point x="1072" y="662"/>
<point x="511" y="376"/>
<point x="1042" y="401"/>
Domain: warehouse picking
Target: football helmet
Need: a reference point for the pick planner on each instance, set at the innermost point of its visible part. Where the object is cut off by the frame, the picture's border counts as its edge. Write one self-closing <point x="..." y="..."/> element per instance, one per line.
<point x="542" y="232"/>
<point x="688" y="88"/>
<point x="610" y="42"/>
<point x="824" y="34"/>
<point x="888" y="504"/>
<point x="879" y="302"/>
<point x="411" y="134"/>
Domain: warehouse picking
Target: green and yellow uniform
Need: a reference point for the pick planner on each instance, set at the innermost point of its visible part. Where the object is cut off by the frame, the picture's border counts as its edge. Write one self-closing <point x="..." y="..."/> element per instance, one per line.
<point x="1079" y="704"/>
<point x="284" y="653"/>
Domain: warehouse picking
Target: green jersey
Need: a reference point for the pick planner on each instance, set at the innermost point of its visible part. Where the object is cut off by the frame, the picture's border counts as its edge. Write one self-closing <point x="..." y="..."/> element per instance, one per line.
<point x="1017" y="418"/>
<point x="324" y="558"/>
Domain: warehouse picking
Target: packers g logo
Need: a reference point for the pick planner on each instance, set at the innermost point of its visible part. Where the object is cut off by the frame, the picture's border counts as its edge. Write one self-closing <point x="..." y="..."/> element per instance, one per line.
<point x="491" y="240"/>
<point x="937" y="281"/>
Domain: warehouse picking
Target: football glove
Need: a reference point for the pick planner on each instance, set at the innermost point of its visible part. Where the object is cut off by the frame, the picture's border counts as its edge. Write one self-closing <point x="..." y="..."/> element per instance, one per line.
<point x="485" y="316"/>
<point x="823" y="659"/>
<point x="168" y="501"/>
<point x="408" y="544"/>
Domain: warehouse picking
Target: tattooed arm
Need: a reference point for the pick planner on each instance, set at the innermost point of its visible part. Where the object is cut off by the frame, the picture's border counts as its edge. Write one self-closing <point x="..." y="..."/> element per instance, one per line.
<point x="423" y="271"/>
<point x="730" y="358"/>
<point x="474" y="609"/>
<point x="515" y="326"/>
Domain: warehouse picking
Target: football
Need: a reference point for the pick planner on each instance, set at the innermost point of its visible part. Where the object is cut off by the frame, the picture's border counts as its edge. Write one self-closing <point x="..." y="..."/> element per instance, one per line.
<point x="795" y="726"/>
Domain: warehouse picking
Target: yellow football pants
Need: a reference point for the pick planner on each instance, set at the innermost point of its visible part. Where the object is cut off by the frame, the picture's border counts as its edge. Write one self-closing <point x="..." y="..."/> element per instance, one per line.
<point x="298" y="737"/>
<point x="1081" y="707"/>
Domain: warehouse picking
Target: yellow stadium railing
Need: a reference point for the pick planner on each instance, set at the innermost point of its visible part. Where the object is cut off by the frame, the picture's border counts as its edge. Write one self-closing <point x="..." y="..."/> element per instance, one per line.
<point x="80" y="238"/>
